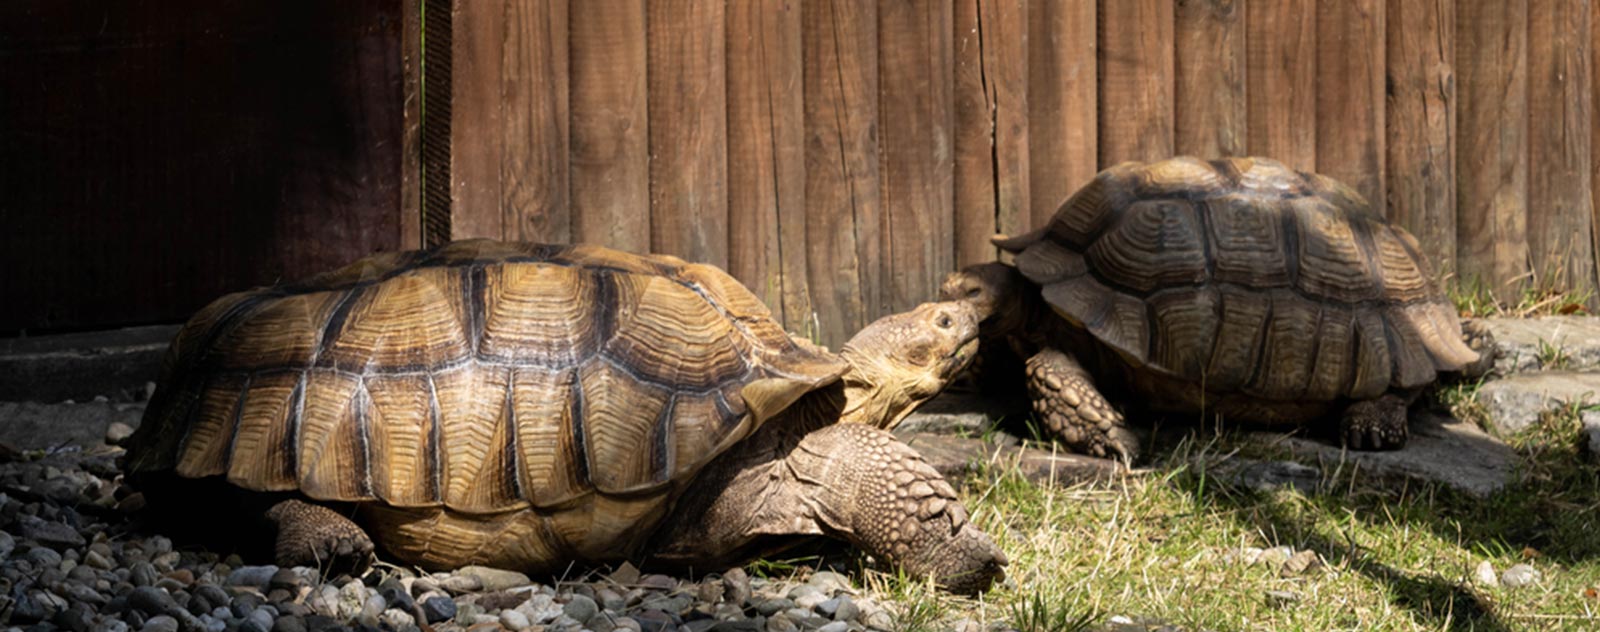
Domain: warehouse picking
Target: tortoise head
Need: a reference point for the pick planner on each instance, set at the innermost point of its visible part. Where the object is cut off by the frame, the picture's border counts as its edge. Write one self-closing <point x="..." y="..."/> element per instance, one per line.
<point x="995" y="291"/>
<point x="901" y="360"/>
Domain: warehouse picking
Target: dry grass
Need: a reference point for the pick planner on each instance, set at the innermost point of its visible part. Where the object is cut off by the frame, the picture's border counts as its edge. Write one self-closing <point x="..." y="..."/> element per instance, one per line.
<point x="1531" y="295"/>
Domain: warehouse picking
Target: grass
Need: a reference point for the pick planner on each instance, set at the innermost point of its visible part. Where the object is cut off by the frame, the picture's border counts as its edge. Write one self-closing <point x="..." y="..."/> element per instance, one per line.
<point x="1534" y="295"/>
<point x="1173" y="544"/>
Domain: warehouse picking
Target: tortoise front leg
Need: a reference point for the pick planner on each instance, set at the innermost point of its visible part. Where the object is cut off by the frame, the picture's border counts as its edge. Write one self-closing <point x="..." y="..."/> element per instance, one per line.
<point x="1071" y="407"/>
<point x="849" y="481"/>
<point x="313" y="535"/>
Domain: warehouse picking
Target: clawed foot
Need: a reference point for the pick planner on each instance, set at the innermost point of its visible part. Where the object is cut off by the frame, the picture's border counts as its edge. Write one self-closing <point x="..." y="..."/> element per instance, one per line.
<point x="312" y="535"/>
<point x="1068" y="403"/>
<point x="1375" y="424"/>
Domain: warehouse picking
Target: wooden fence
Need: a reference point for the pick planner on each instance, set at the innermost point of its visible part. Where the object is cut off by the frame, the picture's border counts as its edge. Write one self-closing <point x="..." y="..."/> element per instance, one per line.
<point x="840" y="156"/>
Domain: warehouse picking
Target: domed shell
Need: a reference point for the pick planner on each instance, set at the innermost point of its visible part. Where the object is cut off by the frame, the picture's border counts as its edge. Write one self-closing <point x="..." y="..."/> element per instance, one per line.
<point x="1245" y="276"/>
<point x="480" y="377"/>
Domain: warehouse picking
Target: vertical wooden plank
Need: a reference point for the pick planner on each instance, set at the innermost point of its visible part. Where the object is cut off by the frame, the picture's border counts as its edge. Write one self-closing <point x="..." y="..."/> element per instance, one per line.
<point x="688" y="130"/>
<point x="477" y="127"/>
<point x="915" y="65"/>
<point x="1492" y="143"/>
<point x="411" y="181"/>
<point x="438" y="19"/>
<point x="1560" y="211"/>
<point x="991" y="110"/>
<point x="1136" y="80"/>
<point x="1063" y="102"/>
<point x="1350" y="95"/>
<point x="1420" y="118"/>
<point x="609" y="169"/>
<point x="766" y="156"/>
<point x="1280" y="79"/>
<point x="534" y="170"/>
<point x="1210" y="116"/>
<point x="841" y="107"/>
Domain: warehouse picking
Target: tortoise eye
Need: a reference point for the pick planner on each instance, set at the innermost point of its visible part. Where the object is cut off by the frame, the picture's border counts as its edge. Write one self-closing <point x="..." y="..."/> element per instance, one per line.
<point x="974" y="293"/>
<point x="945" y="322"/>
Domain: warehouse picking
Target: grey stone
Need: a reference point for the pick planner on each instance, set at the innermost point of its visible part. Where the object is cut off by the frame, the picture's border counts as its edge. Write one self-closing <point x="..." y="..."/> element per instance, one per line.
<point x="769" y="607"/>
<point x="143" y="574"/>
<point x="1520" y="575"/>
<point x="1591" y="430"/>
<point x="494" y="579"/>
<point x="257" y="576"/>
<point x="7" y="545"/>
<point x="52" y="534"/>
<point x="436" y="609"/>
<point x="953" y="413"/>
<point x="514" y="620"/>
<point x="161" y="623"/>
<point x="116" y="363"/>
<point x="879" y="620"/>
<point x="836" y="626"/>
<point x="580" y="608"/>
<point x="1441" y="449"/>
<point x="1525" y="345"/>
<point x="735" y="586"/>
<point x="1485" y="575"/>
<point x="955" y="457"/>
<point x="829" y="582"/>
<point x="289" y="624"/>
<point x="1516" y="402"/>
<point x="841" y="608"/>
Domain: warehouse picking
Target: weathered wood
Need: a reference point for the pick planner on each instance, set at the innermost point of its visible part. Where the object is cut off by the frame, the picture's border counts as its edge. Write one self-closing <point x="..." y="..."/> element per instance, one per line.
<point x="533" y="173"/>
<point x="1281" y="88"/>
<point x="1491" y="146"/>
<point x="916" y="114"/>
<point x="411" y="131"/>
<point x="991" y="144"/>
<point x="609" y="187"/>
<point x="1136" y="80"/>
<point x="1350" y="94"/>
<point x="1210" y="92"/>
<point x="155" y="155"/>
<point x="437" y="22"/>
<point x="766" y="157"/>
<point x="688" y="130"/>
<point x="1560" y="210"/>
<point x="842" y="205"/>
<point x="477" y="126"/>
<point x="1063" y="102"/>
<point x="1420" y="117"/>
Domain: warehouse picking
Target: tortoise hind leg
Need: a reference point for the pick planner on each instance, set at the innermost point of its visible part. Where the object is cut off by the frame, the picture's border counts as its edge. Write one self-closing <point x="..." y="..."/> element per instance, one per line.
<point x="1066" y="400"/>
<point x="1375" y="424"/>
<point x="313" y="535"/>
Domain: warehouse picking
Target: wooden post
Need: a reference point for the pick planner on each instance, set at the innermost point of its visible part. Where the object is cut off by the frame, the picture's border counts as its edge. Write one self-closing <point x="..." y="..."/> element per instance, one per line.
<point x="688" y="130"/>
<point x="1560" y="211"/>
<point x="1281" y="91"/>
<point x="1136" y="80"/>
<point x="1063" y="102"/>
<point x="1210" y="97"/>
<point x="1492" y="143"/>
<point x="1350" y="95"/>
<point x="533" y="172"/>
<point x="1421" y="125"/>
<point x="991" y="109"/>
<point x="609" y="187"/>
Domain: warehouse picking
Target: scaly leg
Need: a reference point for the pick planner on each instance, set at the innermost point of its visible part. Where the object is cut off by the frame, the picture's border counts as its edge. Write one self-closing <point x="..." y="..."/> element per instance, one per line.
<point x="1375" y="424"/>
<point x="312" y="535"/>
<point x="1067" y="402"/>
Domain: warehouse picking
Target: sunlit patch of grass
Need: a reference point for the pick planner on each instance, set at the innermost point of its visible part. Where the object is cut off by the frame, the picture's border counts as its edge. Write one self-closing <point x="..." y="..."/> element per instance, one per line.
<point x="1176" y="543"/>
<point x="1531" y="295"/>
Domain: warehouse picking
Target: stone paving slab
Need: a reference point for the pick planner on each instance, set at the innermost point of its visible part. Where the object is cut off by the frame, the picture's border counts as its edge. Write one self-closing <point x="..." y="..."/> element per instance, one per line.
<point x="1514" y="403"/>
<point x="36" y="426"/>
<point x="1549" y="343"/>
<point x="115" y="363"/>
<point x="1441" y="449"/>
<point x="955" y="457"/>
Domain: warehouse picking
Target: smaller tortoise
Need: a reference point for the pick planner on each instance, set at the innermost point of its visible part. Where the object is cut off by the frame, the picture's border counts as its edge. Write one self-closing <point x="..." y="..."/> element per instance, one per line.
<point x="531" y="406"/>
<point x="1238" y="286"/>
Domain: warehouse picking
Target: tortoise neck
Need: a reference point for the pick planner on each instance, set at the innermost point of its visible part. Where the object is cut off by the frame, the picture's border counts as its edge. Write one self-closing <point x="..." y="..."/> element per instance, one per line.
<point x="867" y="396"/>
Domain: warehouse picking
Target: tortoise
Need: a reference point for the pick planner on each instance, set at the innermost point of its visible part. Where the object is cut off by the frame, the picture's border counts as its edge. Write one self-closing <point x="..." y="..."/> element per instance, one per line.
<point x="1238" y="287"/>
<point x="531" y="406"/>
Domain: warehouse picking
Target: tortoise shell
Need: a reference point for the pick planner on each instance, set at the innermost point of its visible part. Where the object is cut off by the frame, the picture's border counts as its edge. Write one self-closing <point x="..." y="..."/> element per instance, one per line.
<point x="1245" y="276"/>
<point x="479" y="378"/>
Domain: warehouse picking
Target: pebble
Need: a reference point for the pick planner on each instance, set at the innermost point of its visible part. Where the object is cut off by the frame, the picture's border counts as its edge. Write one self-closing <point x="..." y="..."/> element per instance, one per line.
<point x="580" y="608"/>
<point x="515" y="620"/>
<point x="1485" y="575"/>
<point x="493" y="579"/>
<point x="258" y="576"/>
<point x="436" y="609"/>
<point x="1520" y="575"/>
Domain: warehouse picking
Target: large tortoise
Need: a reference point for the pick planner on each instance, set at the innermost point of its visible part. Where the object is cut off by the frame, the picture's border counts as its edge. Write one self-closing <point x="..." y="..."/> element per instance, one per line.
<point x="531" y="406"/>
<point x="1239" y="286"/>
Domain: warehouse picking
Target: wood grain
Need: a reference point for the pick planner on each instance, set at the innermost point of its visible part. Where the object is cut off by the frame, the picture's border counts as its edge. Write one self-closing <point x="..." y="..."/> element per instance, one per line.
<point x="1491" y="146"/>
<point x="1063" y="102"/>
<point x="533" y="171"/>
<point x="688" y="130"/>
<point x="1136" y="80"/>
<point x="1210" y="92"/>
<point x="991" y="110"/>
<point x="1280" y="69"/>
<point x="478" y="140"/>
<point x="842" y="204"/>
<point x="411" y="181"/>
<point x="916" y="115"/>
<point x="1350" y="95"/>
<point x="609" y="188"/>
<point x="766" y="157"/>
<point x="1421" y="117"/>
<point x="1560" y="210"/>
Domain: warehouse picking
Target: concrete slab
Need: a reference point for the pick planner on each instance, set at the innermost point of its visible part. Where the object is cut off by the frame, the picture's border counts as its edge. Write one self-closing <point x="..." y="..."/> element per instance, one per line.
<point x="1441" y="449"/>
<point x="958" y="412"/>
<point x="1514" y="403"/>
<point x="36" y="426"/>
<point x="955" y="457"/>
<point x="115" y="364"/>
<point x="1550" y="343"/>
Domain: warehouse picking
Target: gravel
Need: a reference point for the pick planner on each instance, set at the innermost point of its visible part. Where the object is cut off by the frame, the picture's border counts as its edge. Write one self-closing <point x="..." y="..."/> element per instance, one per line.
<point x="73" y="557"/>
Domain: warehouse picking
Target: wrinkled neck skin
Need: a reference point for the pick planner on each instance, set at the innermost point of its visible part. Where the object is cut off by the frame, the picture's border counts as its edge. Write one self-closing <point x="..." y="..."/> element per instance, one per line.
<point x="871" y="394"/>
